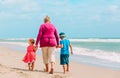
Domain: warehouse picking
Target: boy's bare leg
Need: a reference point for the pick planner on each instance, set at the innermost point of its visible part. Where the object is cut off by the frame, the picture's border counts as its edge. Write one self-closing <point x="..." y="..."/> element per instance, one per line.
<point x="67" y="68"/>
<point x="64" y="69"/>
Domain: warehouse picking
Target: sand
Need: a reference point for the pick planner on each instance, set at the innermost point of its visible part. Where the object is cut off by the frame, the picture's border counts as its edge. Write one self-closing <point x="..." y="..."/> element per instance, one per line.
<point x="11" y="65"/>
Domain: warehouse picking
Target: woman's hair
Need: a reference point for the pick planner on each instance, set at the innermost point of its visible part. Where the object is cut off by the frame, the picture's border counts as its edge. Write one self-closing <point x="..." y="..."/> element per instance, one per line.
<point x="47" y="19"/>
<point x="32" y="40"/>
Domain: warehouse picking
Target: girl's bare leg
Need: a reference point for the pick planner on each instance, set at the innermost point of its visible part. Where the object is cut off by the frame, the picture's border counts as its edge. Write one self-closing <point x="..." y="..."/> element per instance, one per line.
<point x="29" y="67"/>
<point x="32" y="66"/>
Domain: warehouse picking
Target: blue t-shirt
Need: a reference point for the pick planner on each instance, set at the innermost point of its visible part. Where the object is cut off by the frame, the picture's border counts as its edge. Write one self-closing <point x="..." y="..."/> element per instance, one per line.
<point x="66" y="44"/>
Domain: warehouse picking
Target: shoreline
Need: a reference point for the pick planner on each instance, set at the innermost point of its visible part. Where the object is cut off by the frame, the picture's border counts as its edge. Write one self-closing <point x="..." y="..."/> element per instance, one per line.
<point x="11" y="65"/>
<point x="83" y="59"/>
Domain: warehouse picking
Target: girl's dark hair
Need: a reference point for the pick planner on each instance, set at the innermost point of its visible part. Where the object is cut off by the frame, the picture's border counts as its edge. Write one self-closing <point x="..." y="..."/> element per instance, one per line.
<point x="32" y="40"/>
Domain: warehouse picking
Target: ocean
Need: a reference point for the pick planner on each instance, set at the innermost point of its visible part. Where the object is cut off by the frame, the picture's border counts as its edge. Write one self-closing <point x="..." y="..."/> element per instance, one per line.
<point x="95" y="52"/>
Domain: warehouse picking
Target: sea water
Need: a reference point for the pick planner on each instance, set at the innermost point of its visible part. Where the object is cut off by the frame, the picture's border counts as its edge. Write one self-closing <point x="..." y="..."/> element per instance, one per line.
<point x="96" y="52"/>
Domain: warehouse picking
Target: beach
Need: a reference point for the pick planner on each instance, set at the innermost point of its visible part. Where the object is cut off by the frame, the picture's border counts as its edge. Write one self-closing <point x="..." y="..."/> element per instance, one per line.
<point x="90" y="26"/>
<point x="11" y="65"/>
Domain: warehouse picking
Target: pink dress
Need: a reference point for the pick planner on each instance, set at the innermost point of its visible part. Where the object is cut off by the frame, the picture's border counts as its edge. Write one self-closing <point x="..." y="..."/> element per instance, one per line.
<point x="30" y="56"/>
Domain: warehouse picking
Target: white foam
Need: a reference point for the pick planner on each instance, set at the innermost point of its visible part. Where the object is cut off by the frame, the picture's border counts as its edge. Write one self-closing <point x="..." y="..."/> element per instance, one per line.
<point x="95" y="40"/>
<point x="111" y="56"/>
<point x="23" y="44"/>
<point x="16" y="39"/>
<point x="75" y="40"/>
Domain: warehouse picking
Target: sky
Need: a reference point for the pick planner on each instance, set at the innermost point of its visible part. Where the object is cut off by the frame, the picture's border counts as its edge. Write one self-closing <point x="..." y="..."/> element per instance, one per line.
<point x="77" y="18"/>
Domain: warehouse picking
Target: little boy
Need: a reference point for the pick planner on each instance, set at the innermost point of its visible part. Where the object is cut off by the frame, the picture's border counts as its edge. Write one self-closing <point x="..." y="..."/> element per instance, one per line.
<point x="64" y="53"/>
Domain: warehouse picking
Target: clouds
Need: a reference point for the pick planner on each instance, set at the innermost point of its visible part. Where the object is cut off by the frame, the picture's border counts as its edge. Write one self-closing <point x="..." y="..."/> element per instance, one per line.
<point x="27" y="9"/>
<point x="111" y="13"/>
<point x="114" y="8"/>
<point x="17" y="8"/>
<point x="24" y="8"/>
<point x="8" y="2"/>
<point x="78" y="14"/>
<point x="103" y="13"/>
<point x="30" y="7"/>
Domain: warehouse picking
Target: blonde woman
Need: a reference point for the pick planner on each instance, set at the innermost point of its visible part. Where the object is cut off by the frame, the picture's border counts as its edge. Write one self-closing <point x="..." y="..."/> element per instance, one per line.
<point x="49" y="39"/>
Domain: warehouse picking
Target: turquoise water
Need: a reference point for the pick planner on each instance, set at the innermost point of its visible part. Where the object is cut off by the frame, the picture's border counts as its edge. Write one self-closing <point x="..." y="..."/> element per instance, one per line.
<point x="106" y="46"/>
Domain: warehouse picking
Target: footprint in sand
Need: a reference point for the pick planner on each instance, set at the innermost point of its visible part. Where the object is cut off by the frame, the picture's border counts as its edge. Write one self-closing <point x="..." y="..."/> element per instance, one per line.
<point x="58" y="76"/>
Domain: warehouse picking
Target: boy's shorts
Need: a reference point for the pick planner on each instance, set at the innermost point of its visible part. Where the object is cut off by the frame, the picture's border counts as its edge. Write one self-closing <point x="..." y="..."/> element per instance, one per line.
<point x="64" y="59"/>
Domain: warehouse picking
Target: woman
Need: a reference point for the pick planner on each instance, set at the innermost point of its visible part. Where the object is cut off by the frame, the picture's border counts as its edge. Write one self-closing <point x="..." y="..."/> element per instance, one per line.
<point x="48" y="38"/>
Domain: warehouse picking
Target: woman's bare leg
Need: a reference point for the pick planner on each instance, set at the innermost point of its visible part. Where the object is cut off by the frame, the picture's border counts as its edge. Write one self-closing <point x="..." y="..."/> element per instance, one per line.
<point x="52" y="68"/>
<point x="46" y="68"/>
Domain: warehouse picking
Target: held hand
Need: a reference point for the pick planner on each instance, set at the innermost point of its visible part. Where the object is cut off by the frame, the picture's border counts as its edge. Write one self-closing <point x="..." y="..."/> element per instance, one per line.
<point x="71" y="52"/>
<point x="57" y="46"/>
<point x="36" y="47"/>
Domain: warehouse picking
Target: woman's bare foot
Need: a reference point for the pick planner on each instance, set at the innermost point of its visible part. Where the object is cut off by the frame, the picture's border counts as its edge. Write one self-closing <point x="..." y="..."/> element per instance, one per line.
<point x="45" y="70"/>
<point x="51" y="71"/>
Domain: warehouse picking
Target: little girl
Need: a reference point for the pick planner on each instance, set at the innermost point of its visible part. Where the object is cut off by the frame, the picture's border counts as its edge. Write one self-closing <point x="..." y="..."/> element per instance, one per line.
<point x="30" y="56"/>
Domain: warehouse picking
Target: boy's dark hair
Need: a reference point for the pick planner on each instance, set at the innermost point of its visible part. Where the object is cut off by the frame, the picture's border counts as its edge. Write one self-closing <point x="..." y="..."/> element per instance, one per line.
<point x="62" y="35"/>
